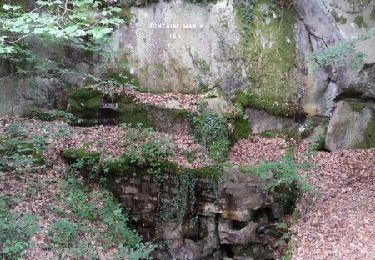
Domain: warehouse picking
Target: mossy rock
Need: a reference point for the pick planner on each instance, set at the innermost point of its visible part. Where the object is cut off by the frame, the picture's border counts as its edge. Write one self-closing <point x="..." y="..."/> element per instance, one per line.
<point x="368" y="140"/>
<point x="352" y="126"/>
<point x="241" y="129"/>
<point x="73" y="155"/>
<point x="163" y="119"/>
<point x="269" y="48"/>
<point x="85" y="103"/>
<point x="286" y="133"/>
<point x="119" y="166"/>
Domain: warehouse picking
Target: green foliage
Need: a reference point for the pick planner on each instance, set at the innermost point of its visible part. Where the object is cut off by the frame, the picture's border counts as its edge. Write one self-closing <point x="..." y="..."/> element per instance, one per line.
<point x="84" y="24"/>
<point x="358" y="4"/>
<point x="117" y="234"/>
<point x="63" y="232"/>
<point x="51" y="115"/>
<point x="79" y="202"/>
<point x="336" y="55"/>
<point x="241" y="128"/>
<point x="211" y="130"/>
<point x="268" y="47"/>
<point x="282" y="173"/>
<point x="317" y="144"/>
<point x="175" y="204"/>
<point x="21" y="152"/>
<point x="15" y="231"/>
<point x="151" y="151"/>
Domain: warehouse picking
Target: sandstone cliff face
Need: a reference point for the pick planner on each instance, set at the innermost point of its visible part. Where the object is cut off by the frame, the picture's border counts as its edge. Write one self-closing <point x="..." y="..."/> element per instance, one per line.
<point x="262" y="48"/>
<point x="180" y="46"/>
<point x="322" y="24"/>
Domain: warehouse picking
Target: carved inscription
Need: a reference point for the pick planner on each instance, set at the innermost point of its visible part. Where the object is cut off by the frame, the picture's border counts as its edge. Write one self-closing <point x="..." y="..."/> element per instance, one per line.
<point x="175" y="27"/>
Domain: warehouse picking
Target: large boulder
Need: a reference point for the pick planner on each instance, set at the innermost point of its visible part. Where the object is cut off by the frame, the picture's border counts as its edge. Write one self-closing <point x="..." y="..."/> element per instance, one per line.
<point x="351" y="126"/>
<point x="323" y="23"/>
<point x="262" y="121"/>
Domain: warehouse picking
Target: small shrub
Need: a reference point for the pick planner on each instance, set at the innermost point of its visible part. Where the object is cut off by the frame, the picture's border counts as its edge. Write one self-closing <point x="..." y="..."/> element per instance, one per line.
<point x="78" y="201"/>
<point x="15" y="231"/>
<point x="63" y="232"/>
<point x="241" y="128"/>
<point x="284" y="172"/>
<point x="21" y="152"/>
<point x="145" y="147"/>
<point x="317" y="144"/>
<point x="211" y="130"/>
<point x="110" y="214"/>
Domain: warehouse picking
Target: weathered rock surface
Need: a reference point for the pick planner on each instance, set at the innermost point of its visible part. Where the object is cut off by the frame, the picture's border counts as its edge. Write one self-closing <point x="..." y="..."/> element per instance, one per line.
<point x="19" y="95"/>
<point x="230" y="216"/>
<point x="351" y="126"/>
<point x="180" y="46"/>
<point x="261" y="121"/>
<point x="322" y="24"/>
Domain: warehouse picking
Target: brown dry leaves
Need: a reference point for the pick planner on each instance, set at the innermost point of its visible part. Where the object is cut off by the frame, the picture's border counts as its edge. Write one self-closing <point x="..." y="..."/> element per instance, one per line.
<point x="339" y="222"/>
<point x="255" y="150"/>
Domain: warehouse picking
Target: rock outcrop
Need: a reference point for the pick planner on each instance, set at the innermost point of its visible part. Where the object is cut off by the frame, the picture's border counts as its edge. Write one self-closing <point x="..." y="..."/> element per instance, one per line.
<point x="229" y="218"/>
<point x="180" y="46"/>
<point x="351" y="126"/>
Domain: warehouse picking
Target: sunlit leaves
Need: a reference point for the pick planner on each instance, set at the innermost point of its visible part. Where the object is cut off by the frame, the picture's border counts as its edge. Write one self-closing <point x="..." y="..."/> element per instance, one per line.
<point x="72" y="21"/>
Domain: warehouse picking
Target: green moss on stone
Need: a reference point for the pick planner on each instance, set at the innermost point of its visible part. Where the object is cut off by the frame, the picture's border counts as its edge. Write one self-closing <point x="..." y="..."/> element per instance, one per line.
<point x="372" y="14"/>
<point x="212" y="172"/>
<point x="85" y="103"/>
<point x="287" y="133"/>
<point x="360" y="22"/>
<point x="77" y="154"/>
<point x="169" y="167"/>
<point x="357" y="107"/>
<point x="249" y="98"/>
<point x="368" y="136"/>
<point x="119" y="166"/>
<point x="203" y="65"/>
<point x="339" y="18"/>
<point x="241" y="129"/>
<point x="132" y="113"/>
<point x="269" y="48"/>
<point x="159" y="70"/>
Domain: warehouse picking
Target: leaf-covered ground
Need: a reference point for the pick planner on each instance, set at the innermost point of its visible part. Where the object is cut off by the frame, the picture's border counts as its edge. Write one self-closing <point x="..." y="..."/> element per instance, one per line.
<point x="336" y="221"/>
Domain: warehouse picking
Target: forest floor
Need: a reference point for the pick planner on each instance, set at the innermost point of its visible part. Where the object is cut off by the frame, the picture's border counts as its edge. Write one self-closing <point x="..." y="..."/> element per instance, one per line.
<point x="336" y="221"/>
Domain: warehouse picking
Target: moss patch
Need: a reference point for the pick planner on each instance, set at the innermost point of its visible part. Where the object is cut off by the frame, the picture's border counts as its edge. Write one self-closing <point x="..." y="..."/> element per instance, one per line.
<point x="357" y="107"/>
<point x="249" y="98"/>
<point x="241" y="129"/>
<point x="269" y="49"/>
<point x="339" y="18"/>
<point x="85" y="103"/>
<point x="123" y="165"/>
<point x="372" y="14"/>
<point x="358" y="4"/>
<point x="360" y="21"/>
<point x="368" y="136"/>
<point x="286" y="133"/>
